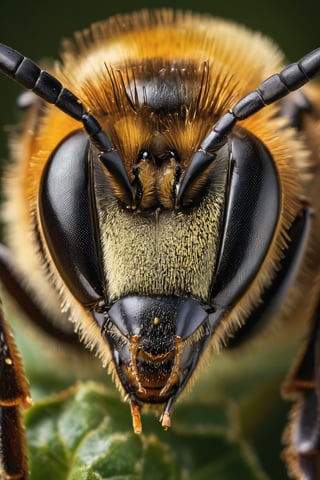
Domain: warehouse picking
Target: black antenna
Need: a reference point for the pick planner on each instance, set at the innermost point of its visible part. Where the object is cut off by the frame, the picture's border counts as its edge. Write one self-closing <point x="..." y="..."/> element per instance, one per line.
<point x="43" y="84"/>
<point x="28" y="74"/>
<point x="270" y="90"/>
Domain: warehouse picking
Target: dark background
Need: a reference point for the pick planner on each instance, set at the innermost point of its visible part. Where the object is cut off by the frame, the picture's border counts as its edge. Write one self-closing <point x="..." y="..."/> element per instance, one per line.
<point x="36" y="27"/>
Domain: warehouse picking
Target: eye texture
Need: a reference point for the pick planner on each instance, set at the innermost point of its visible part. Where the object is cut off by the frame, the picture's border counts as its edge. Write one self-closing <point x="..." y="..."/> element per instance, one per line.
<point x="67" y="212"/>
<point x="250" y="218"/>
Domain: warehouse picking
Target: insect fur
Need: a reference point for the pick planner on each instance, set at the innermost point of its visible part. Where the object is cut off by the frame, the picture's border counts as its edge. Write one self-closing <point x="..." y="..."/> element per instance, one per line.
<point x="160" y="225"/>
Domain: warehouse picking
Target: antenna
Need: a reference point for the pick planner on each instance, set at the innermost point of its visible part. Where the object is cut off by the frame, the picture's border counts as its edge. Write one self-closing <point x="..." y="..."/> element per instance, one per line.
<point x="28" y="74"/>
<point x="270" y="90"/>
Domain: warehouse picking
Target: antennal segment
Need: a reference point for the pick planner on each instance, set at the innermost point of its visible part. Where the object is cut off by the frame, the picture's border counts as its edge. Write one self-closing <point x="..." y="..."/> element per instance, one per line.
<point x="31" y="76"/>
<point x="109" y="156"/>
<point x="269" y="91"/>
<point x="28" y="74"/>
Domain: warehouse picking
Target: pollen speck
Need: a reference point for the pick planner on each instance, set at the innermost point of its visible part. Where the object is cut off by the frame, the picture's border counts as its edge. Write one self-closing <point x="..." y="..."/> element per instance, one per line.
<point x="8" y="361"/>
<point x="27" y="402"/>
<point x="166" y="421"/>
<point x="156" y="320"/>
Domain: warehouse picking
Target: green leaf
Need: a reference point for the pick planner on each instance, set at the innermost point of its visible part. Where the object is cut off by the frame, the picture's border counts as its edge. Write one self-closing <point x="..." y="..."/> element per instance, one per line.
<point x="85" y="433"/>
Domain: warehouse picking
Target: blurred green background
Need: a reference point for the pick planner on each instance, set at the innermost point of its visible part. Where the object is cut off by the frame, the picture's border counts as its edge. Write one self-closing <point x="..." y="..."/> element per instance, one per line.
<point x="36" y="27"/>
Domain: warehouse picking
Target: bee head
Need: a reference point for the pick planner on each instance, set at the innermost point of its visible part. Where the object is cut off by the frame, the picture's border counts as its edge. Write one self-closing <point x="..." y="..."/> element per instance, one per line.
<point x="155" y="343"/>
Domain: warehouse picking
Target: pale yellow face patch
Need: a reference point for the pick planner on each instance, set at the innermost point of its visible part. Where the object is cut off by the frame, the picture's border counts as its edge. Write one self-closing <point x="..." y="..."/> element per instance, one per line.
<point x="172" y="253"/>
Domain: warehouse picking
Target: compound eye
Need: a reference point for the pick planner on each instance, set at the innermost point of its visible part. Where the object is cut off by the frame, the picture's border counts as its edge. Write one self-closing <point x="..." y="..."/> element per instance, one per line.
<point x="251" y="215"/>
<point x="67" y="213"/>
